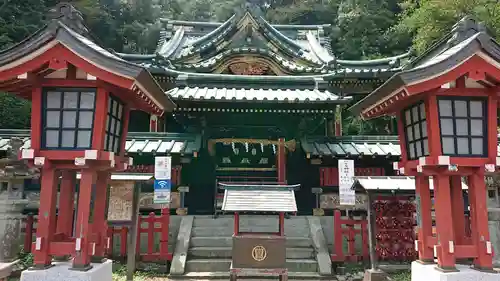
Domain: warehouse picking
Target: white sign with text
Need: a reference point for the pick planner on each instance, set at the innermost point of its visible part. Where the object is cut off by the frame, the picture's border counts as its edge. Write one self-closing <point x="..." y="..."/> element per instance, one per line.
<point x="347" y="195"/>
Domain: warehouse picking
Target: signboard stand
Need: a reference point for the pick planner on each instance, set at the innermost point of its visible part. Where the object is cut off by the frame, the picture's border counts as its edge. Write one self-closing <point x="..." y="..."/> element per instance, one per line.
<point x="163" y="182"/>
<point x="132" y="238"/>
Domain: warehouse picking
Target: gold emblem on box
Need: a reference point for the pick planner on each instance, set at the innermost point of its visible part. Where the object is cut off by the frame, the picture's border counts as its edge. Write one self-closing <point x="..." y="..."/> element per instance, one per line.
<point x="259" y="253"/>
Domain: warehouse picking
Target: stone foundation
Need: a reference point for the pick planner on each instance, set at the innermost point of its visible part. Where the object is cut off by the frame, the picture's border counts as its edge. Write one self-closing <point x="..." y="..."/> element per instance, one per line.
<point x="61" y="271"/>
<point x="428" y="272"/>
<point x="494" y="227"/>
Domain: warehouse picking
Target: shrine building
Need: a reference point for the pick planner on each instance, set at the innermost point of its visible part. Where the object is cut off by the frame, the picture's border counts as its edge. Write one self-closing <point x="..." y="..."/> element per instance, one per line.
<point x="255" y="102"/>
<point x="243" y="101"/>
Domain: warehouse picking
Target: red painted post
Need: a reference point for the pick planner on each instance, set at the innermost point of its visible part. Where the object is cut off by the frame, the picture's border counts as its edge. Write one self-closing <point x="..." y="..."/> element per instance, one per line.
<point x="100" y="225"/>
<point x="46" y="217"/>
<point x="457" y="201"/>
<point x="352" y="236"/>
<point x="337" y="236"/>
<point x="139" y="231"/>
<point x="83" y="229"/>
<point x="236" y="229"/>
<point x="28" y="233"/>
<point x="444" y="224"/>
<point x="281" y="161"/>
<point x="123" y="241"/>
<point x="66" y="203"/>
<point x="425" y="249"/>
<point x="101" y="114"/>
<point x="151" y="233"/>
<point x="282" y="224"/>
<point x="165" y="228"/>
<point x="126" y="120"/>
<point x="109" y="248"/>
<point x="479" y="220"/>
<point x="364" y="239"/>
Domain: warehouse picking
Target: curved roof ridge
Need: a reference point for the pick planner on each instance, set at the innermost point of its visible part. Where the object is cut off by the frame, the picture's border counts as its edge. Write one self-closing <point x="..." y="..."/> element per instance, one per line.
<point x="271" y="55"/>
<point x="127" y="56"/>
<point x="223" y="26"/>
<point x="280" y="35"/>
<point x="318" y="50"/>
<point x="371" y="62"/>
<point x="213" y="23"/>
<point x="169" y="47"/>
<point x="245" y="77"/>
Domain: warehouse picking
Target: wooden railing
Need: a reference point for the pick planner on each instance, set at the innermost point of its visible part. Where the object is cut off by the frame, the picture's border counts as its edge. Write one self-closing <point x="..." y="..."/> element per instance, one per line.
<point x="349" y="232"/>
<point x="151" y="225"/>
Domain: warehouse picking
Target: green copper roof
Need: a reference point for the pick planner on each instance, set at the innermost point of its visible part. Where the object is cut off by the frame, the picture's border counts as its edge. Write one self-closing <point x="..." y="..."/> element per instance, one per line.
<point x="352" y="146"/>
<point x="256" y="95"/>
<point x="151" y="143"/>
<point x="300" y="50"/>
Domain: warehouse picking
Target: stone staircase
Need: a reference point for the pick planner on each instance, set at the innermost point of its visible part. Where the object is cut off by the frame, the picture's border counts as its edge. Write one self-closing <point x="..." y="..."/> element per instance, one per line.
<point x="209" y="253"/>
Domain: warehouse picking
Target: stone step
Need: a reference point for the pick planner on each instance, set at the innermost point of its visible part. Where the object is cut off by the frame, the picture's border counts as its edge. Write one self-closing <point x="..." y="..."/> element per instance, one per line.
<point x="224" y="275"/>
<point x="295" y="242"/>
<point x="208" y="221"/>
<point x="228" y="231"/>
<point x="226" y="252"/>
<point x="214" y="265"/>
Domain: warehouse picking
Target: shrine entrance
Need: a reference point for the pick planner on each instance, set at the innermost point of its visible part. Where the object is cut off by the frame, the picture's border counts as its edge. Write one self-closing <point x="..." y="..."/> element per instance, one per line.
<point x="247" y="162"/>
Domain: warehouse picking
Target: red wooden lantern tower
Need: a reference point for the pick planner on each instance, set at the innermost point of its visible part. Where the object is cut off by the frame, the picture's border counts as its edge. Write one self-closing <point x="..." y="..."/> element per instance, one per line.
<point x="446" y="105"/>
<point x="81" y="97"/>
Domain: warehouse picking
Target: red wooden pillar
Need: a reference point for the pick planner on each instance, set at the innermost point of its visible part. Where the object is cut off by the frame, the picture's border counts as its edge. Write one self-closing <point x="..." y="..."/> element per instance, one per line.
<point x="165" y="218"/>
<point x="444" y="223"/>
<point x="479" y="221"/>
<point x="46" y="217"/>
<point x="153" y="123"/>
<point x="457" y="201"/>
<point x="100" y="224"/>
<point x="83" y="231"/>
<point x="66" y="203"/>
<point x="423" y="192"/>
<point x="281" y="161"/>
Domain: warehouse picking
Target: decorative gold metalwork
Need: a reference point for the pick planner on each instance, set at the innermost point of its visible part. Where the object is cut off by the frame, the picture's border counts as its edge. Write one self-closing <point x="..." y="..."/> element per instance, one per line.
<point x="248" y="68"/>
<point x="259" y="253"/>
<point x="290" y="145"/>
<point x="243" y="169"/>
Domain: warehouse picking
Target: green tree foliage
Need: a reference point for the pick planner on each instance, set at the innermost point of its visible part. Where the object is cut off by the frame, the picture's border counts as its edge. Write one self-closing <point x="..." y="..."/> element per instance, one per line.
<point x="428" y="20"/>
<point x="14" y="112"/>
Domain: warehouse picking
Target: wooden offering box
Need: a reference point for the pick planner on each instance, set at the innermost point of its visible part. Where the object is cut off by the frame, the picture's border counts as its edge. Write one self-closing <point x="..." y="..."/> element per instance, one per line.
<point x="259" y="253"/>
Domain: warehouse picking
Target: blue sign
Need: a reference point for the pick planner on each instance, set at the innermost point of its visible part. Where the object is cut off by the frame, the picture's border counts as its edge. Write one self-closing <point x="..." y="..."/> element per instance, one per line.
<point x="162" y="184"/>
<point x="162" y="191"/>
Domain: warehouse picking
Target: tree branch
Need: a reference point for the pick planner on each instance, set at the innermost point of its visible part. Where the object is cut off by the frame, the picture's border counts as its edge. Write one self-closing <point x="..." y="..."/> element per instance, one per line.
<point x="4" y="4"/>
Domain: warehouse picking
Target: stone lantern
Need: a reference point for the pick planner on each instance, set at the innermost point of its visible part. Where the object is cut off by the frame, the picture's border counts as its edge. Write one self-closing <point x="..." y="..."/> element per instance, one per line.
<point x="446" y="107"/>
<point x="81" y="97"/>
<point x="13" y="172"/>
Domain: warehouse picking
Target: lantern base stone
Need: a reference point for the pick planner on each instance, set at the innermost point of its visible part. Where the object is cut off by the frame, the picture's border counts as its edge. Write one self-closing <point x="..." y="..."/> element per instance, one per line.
<point x="62" y="271"/>
<point x="428" y="272"/>
<point x="374" y="275"/>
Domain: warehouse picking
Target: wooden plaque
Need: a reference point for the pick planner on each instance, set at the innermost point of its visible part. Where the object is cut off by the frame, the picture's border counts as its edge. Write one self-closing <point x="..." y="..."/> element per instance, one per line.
<point x="259" y="251"/>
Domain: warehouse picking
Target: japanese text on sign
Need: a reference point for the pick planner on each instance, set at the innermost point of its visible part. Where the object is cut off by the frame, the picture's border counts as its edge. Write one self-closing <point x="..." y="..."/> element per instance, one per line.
<point x="347" y="195"/>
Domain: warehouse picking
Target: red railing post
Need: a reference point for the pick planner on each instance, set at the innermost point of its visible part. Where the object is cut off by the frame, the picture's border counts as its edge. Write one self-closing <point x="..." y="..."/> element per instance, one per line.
<point x="110" y="235"/>
<point x="123" y="241"/>
<point x="151" y="233"/>
<point x="351" y="237"/>
<point x="28" y="233"/>
<point x="165" y="228"/>
<point x="364" y="239"/>
<point x="139" y="231"/>
<point x="338" y="254"/>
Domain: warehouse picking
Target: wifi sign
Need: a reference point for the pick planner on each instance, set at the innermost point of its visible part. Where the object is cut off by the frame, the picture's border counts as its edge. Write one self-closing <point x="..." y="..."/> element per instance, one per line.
<point x="162" y="184"/>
